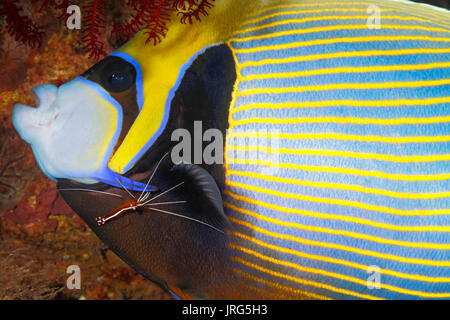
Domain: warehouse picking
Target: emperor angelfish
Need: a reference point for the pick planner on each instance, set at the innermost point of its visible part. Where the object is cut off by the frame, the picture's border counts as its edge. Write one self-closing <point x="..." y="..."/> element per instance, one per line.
<point x="335" y="128"/>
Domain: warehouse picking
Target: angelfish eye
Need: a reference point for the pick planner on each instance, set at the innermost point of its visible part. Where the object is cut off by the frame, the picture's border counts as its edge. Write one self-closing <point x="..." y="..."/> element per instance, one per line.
<point x="118" y="76"/>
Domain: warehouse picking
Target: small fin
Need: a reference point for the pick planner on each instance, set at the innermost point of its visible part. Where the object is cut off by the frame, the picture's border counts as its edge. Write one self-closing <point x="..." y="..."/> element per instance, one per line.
<point x="181" y="294"/>
<point x="206" y="194"/>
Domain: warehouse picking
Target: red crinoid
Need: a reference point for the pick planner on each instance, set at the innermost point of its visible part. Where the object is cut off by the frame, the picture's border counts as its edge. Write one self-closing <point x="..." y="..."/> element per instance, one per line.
<point x="62" y="7"/>
<point x="19" y="26"/>
<point x="93" y="22"/>
<point x="156" y="27"/>
<point x="151" y="16"/>
<point x="192" y="9"/>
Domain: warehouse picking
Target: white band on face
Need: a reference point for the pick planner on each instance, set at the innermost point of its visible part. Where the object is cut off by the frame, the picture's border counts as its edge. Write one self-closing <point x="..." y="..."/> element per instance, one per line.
<point x="72" y="131"/>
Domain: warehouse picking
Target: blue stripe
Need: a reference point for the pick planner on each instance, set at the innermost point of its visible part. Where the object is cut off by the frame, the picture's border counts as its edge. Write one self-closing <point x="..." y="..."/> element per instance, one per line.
<point x="413" y="168"/>
<point x="433" y="186"/>
<point x="385" y="112"/>
<point x="409" y="149"/>
<point x="356" y="77"/>
<point x="339" y="47"/>
<point x="340" y="269"/>
<point x="403" y="130"/>
<point x="347" y="62"/>
<point x="342" y="94"/>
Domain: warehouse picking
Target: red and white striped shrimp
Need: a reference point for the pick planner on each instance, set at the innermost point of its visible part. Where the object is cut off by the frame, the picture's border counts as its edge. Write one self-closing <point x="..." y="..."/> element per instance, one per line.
<point x="142" y="202"/>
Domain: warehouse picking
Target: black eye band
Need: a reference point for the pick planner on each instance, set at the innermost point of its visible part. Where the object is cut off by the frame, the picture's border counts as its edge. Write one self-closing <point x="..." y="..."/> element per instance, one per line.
<point x="118" y="76"/>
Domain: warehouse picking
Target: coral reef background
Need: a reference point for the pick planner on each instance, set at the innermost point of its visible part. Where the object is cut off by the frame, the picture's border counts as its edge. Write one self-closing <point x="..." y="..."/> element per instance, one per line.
<point x="40" y="236"/>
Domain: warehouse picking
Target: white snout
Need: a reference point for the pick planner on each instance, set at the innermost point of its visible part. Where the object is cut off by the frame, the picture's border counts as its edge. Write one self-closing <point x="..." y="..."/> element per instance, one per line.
<point x="27" y="119"/>
<point x="72" y="130"/>
<point x="45" y="98"/>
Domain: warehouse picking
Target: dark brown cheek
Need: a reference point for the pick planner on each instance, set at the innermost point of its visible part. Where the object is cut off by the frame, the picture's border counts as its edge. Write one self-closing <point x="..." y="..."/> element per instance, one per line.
<point x="130" y="110"/>
<point x="127" y="99"/>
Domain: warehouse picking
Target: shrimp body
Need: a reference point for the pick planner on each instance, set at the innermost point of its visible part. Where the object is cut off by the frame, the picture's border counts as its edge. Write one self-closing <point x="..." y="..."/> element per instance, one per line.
<point x="128" y="206"/>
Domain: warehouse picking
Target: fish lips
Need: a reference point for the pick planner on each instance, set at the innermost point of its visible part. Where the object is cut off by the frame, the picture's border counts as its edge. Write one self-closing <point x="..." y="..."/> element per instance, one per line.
<point x="28" y="120"/>
<point x="72" y="130"/>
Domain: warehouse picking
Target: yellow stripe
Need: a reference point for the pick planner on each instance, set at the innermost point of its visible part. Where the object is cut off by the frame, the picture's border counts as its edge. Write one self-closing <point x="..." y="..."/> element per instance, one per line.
<point x="337" y="136"/>
<point x="432" y="12"/>
<point x="364" y="69"/>
<point x="346" y="120"/>
<point x="332" y="28"/>
<point x="339" y="186"/>
<point x="351" y="103"/>
<point x="338" y="276"/>
<point x="303" y="241"/>
<point x="413" y="9"/>
<point x="345" y="86"/>
<point x="350" y="264"/>
<point x="233" y="96"/>
<point x="248" y="289"/>
<point x="345" y="54"/>
<point x="340" y="202"/>
<point x="360" y="236"/>
<point x="238" y="76"/>
<point x="392" y="6"/>
<point x="376" y="174"/>
<point x="302" y="281"/>
<point x="278" y="286"/>
<point x="321" y="18"/>
<point x="337" y="217"/>
<point x="345" y="154"/>
<point x="284" y="13"/>
<point x="341" y="40"/>
<point x="303" y="5"/>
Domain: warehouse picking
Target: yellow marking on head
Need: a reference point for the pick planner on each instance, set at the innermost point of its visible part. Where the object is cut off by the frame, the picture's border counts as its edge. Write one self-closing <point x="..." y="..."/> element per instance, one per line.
<point x="161" y="66"/>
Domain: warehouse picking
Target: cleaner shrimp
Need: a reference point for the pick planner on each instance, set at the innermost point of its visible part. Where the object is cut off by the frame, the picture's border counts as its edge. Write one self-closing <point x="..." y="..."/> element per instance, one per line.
<point x="142" y="202"/>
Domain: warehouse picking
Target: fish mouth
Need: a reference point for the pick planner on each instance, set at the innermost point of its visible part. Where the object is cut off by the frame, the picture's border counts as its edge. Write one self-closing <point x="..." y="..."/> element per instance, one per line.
<point x="46" y="104"/>
<point x="43" y="114"/>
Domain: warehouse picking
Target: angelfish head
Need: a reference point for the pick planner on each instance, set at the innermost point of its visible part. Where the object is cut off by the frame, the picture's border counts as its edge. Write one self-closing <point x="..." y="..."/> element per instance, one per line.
<point x="72" y="129"/>
<point x="75" y="128"/>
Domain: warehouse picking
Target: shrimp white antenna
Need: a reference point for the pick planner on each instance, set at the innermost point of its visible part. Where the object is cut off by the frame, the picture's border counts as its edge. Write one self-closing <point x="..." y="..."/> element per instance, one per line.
<point x="124" y="188"/>
<point x="159" y="195"/>
<point x="186" y="217"/>
<point x="145" y="197"/>
<point x="91" y="190"/>
<point x="141" y="198"/>
<point x="161" y="203"/>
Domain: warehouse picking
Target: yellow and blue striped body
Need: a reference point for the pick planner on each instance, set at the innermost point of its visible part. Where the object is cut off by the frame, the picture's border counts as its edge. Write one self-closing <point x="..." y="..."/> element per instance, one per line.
<point x="337" y="157"/>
